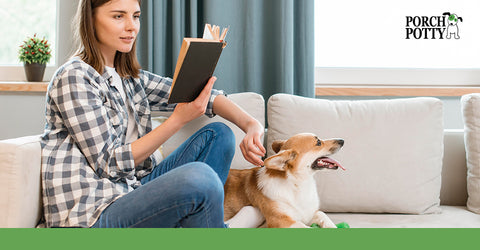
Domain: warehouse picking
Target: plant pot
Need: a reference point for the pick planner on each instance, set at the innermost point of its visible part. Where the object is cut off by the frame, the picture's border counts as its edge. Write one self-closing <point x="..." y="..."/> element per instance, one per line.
<point x="34" y="71"/>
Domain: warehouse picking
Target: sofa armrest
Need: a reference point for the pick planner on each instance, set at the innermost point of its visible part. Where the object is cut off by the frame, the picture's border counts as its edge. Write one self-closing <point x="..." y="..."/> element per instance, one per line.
<point x="20" y="188"/>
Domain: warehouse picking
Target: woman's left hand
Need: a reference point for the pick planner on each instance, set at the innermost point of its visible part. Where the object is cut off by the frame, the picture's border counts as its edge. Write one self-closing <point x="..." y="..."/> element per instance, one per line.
<point x="252" y="146"/>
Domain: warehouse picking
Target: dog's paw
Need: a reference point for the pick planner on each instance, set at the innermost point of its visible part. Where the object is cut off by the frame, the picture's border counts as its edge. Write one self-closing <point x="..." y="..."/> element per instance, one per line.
<point x="323" y="220"/>
<point x="247" y="217"/>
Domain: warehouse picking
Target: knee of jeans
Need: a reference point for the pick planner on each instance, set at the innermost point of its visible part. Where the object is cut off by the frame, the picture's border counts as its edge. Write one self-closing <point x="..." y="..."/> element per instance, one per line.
<point x="225" y="133"/>
<point x="203" y="180"/>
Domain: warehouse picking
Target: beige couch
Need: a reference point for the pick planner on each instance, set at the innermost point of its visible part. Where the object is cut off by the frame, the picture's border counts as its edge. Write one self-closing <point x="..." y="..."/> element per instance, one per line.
<point x="403" y="168"/>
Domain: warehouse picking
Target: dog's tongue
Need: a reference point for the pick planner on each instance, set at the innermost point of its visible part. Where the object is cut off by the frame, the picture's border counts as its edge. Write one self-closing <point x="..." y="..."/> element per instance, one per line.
<point x="333" y="162"/>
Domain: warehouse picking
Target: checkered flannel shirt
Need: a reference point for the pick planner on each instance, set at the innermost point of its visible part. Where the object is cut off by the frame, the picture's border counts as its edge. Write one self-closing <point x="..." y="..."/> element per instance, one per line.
<point x="85" y="160"/>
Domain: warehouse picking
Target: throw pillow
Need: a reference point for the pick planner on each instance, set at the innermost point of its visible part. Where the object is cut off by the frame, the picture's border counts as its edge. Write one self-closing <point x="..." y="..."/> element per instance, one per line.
<point x="393" y="150"/>
<point x="471" y="118"/>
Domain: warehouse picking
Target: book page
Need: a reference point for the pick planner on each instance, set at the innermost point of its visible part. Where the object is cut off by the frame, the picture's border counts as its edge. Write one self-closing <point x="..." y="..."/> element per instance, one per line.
<point x="206" y="32"/>
<point x="213" y="33"/>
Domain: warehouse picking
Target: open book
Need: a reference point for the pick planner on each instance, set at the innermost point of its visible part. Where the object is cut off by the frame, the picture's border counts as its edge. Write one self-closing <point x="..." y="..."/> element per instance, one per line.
<point x="196" y="63"/>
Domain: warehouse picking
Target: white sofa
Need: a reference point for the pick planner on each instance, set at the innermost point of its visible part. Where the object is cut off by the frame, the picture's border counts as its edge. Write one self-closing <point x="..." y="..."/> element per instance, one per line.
<point x="403" y="169"/>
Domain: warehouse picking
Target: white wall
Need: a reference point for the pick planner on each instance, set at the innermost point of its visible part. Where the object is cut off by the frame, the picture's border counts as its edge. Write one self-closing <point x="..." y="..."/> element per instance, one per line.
<point x="22" y="114"/>
<point x="65" y="17"/>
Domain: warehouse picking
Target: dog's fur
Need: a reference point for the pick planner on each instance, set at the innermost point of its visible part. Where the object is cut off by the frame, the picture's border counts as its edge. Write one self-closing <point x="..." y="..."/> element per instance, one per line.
<point x="284" y="190"/>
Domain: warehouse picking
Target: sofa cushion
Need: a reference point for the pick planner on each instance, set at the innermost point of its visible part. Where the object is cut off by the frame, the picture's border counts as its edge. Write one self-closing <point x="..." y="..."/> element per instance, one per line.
<point x="471" y="117"/>
<point x="20" y="206"/>
<point x="451" y="217"/>
<point x="393" y="150"/>
<point x="252" y="103"/>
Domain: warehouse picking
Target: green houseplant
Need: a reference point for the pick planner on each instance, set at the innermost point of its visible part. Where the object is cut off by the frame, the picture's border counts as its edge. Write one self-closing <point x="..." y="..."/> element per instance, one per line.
<point x="35" y="53"/>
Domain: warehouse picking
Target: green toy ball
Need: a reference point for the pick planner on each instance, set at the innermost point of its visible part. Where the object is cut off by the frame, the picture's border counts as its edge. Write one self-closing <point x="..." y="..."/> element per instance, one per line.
<point x="339" y="225"/>
<point x="343" y="225"/>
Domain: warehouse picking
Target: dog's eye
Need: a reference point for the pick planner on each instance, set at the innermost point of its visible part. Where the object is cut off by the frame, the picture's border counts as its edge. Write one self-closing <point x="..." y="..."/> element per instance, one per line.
<point x="319" y="143"/>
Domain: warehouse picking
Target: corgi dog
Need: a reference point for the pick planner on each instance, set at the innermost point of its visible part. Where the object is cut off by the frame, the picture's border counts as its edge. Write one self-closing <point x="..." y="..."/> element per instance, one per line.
<point x="284" y="192"/>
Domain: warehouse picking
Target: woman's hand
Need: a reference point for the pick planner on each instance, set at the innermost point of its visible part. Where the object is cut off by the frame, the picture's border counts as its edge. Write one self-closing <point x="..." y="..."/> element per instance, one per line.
<point x="251" y="145"/>
<point x="187" y="112"/>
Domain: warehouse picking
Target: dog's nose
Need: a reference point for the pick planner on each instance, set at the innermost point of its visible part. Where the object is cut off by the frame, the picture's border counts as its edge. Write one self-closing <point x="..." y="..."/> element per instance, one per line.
<point x="341" y="142"/>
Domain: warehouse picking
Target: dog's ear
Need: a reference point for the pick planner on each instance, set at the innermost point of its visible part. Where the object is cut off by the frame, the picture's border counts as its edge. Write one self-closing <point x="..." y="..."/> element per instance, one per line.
<point x="446" y="13"/>
<point x="277" y="145"/>
<point x="461" y="19"/>
<point x="279" y="161"/>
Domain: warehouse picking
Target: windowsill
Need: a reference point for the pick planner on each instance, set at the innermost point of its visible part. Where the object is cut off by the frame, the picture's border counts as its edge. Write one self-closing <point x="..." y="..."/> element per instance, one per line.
<point x="396" y="91"/>
<point x="34" y="87"/>
<point x="331" y="90"/>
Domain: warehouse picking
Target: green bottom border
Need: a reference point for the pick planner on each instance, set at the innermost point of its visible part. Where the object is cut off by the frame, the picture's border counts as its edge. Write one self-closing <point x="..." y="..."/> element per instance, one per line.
<point x="246" y="239"/>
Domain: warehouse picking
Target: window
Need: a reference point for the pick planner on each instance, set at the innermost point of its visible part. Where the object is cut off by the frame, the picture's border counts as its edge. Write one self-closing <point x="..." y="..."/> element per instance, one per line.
<point x="37" y="17"/>
<point x="375" y="42"/>
<point x="46" y="18"/>
<point x="19" y="19"/>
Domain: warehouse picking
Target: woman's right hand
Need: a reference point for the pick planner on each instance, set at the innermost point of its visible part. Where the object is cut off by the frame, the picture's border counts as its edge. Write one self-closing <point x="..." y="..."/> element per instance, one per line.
<point x="187" y="112"/>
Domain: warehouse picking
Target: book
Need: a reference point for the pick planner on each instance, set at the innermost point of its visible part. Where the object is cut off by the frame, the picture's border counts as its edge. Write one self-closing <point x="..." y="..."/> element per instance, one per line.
<point x="196" y="64"/>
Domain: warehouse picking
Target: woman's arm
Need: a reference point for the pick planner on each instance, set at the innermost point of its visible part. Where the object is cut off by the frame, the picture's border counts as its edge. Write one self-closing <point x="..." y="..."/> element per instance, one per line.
<point x="251" y="146"/>
<point x="183" y="114"/>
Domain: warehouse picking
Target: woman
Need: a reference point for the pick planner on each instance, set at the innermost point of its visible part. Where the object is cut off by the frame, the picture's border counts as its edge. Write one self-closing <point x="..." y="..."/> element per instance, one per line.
<point x="100" y="163"/>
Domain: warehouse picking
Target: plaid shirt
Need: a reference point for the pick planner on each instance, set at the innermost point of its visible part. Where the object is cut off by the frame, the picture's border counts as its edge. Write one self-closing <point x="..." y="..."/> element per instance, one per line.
<point x="85" y="160"/>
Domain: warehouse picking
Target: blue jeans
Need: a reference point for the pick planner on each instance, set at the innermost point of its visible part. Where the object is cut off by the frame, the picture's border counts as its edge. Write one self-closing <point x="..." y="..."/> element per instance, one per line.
<point x="185" y="190"/>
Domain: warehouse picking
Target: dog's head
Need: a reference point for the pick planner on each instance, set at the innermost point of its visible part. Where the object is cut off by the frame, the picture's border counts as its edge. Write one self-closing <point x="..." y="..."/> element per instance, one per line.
<point x="304" y="154"/>
<point x="453" y="18"/>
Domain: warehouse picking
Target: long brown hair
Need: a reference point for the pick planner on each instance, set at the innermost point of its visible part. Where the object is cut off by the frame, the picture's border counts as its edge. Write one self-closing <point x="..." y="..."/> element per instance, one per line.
<point x="88" y="50"/>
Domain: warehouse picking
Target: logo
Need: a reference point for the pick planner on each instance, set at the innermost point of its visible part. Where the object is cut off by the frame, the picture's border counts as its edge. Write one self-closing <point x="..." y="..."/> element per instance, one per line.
<point x="433" y="27"/>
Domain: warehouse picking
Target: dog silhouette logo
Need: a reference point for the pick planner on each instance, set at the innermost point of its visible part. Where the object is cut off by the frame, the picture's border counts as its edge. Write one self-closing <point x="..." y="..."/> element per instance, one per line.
<point x="441" y="27"/>
<point x="452" y="28"/>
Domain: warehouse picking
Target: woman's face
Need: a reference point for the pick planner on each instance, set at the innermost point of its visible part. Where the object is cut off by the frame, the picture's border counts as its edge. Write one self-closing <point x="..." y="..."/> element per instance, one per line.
<point x="116" y="26"/>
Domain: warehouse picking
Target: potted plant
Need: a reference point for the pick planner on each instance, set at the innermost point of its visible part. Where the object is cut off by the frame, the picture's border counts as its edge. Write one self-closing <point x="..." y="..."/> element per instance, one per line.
<point x="35" y="53"/>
